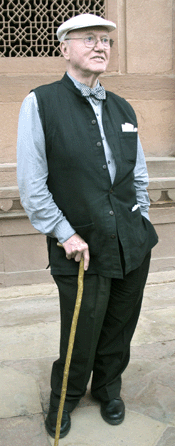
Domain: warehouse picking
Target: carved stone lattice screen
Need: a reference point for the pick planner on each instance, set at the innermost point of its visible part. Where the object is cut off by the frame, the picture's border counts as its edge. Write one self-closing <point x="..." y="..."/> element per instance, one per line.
<point x="28" y="27"/>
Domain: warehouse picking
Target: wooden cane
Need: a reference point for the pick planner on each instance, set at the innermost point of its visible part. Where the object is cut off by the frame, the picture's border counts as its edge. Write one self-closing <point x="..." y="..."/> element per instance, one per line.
<point x="70" y="348"/>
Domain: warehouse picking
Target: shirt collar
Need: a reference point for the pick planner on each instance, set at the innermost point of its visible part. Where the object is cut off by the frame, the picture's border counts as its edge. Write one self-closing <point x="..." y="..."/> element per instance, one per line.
<point x="79" y="84"/>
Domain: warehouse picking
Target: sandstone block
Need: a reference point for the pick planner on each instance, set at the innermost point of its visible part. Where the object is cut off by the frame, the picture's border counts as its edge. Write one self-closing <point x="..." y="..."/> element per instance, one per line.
<point x="149" y="36"/>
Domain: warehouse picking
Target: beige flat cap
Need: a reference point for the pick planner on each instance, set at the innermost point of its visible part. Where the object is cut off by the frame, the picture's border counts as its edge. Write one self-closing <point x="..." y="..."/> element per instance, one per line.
<point x="82" y="21"/>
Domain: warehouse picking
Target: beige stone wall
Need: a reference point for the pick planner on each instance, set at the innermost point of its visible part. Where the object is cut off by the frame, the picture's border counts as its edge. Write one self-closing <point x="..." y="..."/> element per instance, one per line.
<point x="142" y="70"/>
<point x="146" y="71"/>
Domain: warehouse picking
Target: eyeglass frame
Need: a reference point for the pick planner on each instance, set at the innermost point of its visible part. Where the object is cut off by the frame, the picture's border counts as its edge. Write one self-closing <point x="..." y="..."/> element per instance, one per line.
<point x="111" y="41"/>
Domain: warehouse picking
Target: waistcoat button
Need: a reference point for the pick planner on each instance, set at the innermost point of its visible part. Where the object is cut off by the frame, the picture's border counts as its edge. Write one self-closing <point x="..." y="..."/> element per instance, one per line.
<point x="98" y="144"/>
<point x="111" y="212"/>
<point x="93" y="121"/>
<point x="104" y="167"/>
<point x="113" y="236"/>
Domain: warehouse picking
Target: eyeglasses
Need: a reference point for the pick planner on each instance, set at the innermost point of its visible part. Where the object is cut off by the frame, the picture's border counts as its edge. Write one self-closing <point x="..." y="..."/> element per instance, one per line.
<point x="91" y="41"/>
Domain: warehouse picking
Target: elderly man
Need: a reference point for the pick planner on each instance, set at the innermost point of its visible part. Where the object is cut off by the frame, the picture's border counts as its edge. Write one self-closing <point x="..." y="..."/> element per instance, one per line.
<point x="82" y="178"/>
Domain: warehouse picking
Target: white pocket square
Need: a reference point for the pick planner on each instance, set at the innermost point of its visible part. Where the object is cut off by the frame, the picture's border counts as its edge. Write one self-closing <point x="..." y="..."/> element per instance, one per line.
<point x="127" y="127"/>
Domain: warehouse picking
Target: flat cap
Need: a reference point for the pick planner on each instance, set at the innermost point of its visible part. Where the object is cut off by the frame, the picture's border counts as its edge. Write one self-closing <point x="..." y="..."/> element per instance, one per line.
<point x="82" y="21"/>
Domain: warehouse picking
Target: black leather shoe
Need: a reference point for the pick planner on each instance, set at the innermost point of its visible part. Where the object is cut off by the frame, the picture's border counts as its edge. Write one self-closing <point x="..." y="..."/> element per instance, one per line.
<point x="113" y="411"/>
<point x="51" y="421"/>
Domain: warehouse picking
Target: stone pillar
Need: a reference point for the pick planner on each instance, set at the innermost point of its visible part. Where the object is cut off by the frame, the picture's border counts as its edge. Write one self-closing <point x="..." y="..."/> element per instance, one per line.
<point x="146" y="69"/>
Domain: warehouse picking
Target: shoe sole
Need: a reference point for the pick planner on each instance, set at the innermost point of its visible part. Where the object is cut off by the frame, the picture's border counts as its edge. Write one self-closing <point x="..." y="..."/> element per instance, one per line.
<point x="52" y="434"/>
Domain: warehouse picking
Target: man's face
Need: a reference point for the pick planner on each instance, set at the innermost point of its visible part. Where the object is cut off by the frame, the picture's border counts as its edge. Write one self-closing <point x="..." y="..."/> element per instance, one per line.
<point x="83" y="59"/>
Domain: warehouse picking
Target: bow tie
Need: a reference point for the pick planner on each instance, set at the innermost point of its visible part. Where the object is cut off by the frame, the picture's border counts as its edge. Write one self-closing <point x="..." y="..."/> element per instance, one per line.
<point x="96" y="94"/>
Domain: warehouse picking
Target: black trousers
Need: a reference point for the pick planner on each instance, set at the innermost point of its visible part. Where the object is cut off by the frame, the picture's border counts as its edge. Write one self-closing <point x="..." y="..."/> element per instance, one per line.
<point x="108" y="317"/>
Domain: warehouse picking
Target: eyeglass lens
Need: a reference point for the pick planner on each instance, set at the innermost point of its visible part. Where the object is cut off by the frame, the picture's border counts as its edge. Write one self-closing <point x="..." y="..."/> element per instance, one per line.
<point x="92" y="41"/>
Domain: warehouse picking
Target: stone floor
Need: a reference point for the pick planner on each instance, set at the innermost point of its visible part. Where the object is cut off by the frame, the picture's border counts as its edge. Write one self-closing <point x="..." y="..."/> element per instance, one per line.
<point x="29" y="342"/>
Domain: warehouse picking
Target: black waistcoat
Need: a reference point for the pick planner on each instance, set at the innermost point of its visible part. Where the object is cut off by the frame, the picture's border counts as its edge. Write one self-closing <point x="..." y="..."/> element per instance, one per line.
<point x="80" y="183"/>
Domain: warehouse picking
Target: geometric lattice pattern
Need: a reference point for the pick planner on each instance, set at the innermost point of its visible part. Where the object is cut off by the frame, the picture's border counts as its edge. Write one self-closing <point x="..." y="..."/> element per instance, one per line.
<point x="28" y="27"/>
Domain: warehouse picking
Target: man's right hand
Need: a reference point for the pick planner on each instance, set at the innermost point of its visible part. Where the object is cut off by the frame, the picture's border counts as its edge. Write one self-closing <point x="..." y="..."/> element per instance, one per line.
<point x="76" y="248"/>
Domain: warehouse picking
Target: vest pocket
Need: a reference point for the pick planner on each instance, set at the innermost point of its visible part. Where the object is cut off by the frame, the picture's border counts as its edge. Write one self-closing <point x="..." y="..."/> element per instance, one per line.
<point x="138" y="227"/>
<point x="89" y="234"/>
<point x="128" y="142"/>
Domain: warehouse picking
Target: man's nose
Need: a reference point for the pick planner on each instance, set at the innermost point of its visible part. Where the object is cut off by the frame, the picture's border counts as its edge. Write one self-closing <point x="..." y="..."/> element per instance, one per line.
<point x="99" y="45"/>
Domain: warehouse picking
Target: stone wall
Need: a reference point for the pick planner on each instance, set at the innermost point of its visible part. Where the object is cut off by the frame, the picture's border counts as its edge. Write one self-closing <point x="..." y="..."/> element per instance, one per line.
<point x="142" y="71"/>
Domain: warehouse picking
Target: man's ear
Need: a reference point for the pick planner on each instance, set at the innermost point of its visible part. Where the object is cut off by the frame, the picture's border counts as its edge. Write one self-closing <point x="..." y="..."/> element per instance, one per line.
<point x="64" y="47"/>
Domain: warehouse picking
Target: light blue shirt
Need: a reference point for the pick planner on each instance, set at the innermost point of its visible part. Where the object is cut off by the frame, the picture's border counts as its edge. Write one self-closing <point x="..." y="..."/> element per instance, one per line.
<point x="32" y="172"/>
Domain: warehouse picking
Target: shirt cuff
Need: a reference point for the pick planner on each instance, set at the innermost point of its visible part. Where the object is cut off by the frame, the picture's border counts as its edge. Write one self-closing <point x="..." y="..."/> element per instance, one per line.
<point x="63" y="231"/>
<point x="145" y="214"/>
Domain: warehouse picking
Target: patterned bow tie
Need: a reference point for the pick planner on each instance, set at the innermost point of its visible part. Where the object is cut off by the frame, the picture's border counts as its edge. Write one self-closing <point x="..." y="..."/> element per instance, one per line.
<point x="96" y="94"/>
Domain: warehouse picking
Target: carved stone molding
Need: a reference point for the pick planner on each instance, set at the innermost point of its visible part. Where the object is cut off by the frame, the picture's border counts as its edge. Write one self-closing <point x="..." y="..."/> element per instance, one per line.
<point x="162" y="192"/>
<point x="6" y="204"/>
<point x="161" y="188"/>
<point x="10" y="201"/>
<point x="10" y="205"/>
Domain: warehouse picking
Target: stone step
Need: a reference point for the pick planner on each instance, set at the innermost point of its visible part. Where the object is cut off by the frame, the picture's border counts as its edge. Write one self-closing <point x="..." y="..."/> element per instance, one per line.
<point x="9" y="192"/>
<point x="8" y="174"/>
<point x="158" y="167"/>
<point x="161" y="166"/>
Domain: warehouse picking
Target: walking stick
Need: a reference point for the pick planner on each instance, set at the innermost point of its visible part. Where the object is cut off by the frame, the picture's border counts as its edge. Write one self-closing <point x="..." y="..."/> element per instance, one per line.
<point x="70" y="348"/>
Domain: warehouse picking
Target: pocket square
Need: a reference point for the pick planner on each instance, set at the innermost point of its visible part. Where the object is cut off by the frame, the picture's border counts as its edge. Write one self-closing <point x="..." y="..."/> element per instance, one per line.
<point x="127" y="127"/>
